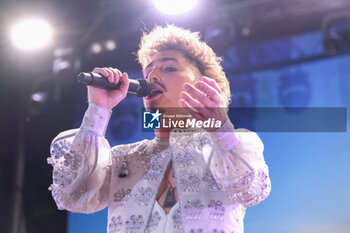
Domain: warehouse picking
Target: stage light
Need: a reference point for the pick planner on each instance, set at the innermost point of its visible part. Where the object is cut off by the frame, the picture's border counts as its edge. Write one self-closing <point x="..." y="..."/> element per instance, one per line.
<point x="31" y="34"/>
<point x="336" y="32"/>
<point x="333" y="43"/>
<point x="96" y="48"/>
<point x="174" y="7"/>
<point x="40" y="97"/>
<point x="110" y="45"/>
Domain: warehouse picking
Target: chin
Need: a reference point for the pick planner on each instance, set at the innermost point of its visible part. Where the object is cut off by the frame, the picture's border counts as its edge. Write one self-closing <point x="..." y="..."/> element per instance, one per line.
<point x="155" y="103"/>
<point x="162" y="107"/>
<point x="152" y="105"/>
<point x="161" y="102"/>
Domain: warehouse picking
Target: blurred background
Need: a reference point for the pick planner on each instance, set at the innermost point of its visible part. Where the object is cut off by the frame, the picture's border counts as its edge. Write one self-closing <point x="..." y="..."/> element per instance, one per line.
<point x="277" y="54"/>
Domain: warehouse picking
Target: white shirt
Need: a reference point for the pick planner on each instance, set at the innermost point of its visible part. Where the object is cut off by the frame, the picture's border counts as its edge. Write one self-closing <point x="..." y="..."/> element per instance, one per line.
<point x="218" y="175"/>
<point x="161" y="222"/>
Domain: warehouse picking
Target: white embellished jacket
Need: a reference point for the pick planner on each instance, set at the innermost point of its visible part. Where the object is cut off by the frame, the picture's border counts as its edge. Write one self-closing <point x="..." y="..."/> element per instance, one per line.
<point x="218" y="175"/>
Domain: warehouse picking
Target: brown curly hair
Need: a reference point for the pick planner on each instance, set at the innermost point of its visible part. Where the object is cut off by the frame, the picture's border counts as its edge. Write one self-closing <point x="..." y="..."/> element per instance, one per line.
<point x="171" y="37"/>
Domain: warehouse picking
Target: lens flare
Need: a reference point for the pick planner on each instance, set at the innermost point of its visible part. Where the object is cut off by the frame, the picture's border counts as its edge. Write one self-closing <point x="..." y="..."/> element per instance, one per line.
<point x="174" y="7"/>
<point x="31" y="34"/>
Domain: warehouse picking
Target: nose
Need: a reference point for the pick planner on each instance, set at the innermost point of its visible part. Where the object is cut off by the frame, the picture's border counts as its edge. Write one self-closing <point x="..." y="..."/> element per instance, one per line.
<point x="153" y="76"/>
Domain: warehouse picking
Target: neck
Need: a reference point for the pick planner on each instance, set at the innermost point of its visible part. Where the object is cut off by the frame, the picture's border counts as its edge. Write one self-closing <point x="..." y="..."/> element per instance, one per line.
<point x="165" y="132"/>
<point x="162" y="134"/>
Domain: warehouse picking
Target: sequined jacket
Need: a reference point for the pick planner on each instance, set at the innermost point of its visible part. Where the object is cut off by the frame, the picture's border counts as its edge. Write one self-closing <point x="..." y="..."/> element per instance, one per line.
<point x="217" y="174"/>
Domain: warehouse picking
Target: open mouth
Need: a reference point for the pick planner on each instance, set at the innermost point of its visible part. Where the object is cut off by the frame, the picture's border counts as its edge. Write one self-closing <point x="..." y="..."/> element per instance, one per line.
<point x="156" y="90"/>
<point x="154" y="93"/>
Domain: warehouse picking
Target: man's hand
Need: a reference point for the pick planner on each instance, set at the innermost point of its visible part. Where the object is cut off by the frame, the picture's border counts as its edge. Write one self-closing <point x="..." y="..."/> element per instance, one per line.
<point x="109" y="98"/>
<point x="204" y="100"/>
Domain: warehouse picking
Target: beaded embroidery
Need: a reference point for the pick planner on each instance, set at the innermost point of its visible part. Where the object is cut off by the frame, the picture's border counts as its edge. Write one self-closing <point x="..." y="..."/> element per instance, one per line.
<point x="216" y="210"/>
<point x="155" y="219"/>
<point x="73" y="160"/>
<point x="154" y="171"/>
<point x="185" y="159"/>
<point x="210" y="182"/>
<point x="258" y="190"/>
<point x="143" y="195"/>
<point x="57" y="196"/>
<point x="121" y="197"/>
<point x="177" y="219"/>
<point x="60" y="148"/>
<point x="115" y="224"/>
<point x="134" y="223"/>
<point x="199" y="230"/>
<point x="194" y="209"/>
<point x="62" y="178"/>
<point x="218" y="231"/>
<point x="190" y="183"/>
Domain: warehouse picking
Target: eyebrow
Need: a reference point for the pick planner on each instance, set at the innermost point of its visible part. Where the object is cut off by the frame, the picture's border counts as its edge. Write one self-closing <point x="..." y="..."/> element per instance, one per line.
<point x="164" y="59"/>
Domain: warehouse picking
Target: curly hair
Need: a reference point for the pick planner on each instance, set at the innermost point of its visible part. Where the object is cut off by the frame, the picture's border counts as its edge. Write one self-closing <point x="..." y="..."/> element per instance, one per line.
<point x="171" y="37"/>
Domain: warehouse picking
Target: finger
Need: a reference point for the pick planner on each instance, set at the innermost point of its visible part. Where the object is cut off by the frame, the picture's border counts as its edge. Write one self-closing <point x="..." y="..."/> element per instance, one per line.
<point x="100" y="71"/>
<point x="211" y="83"/>
<point x="124" y="86"/>
<point x="183" y="104"/>
<point x="195" y="104"/>
<point x="117" y="74"/>
<point x="110" y="75"/>
<point x="199" y="95"/>
<point x="209" y="91"/>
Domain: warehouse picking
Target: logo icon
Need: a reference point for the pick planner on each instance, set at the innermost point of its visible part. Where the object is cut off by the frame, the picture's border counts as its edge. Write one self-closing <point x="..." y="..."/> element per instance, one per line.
<point x="151" y="120"/>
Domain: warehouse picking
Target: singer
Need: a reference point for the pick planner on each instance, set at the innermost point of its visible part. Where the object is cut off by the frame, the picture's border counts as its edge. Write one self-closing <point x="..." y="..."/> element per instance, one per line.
<point x="188" y="180"/>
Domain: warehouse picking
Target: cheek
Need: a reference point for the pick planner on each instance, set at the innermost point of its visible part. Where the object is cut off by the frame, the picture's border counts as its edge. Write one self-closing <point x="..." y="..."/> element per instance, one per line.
<point x="192" y="79"/>
<point x="175" y="85"/>
<point x="174" y="94"/>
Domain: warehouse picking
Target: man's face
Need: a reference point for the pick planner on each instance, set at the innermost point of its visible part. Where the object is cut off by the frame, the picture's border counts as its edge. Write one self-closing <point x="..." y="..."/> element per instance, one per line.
<point x="167" y="73"/>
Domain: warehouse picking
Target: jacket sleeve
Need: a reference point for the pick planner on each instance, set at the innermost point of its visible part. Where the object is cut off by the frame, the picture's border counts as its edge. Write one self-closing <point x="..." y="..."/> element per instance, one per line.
<point x="238" y="165"/>
<point x="81" y="161"/>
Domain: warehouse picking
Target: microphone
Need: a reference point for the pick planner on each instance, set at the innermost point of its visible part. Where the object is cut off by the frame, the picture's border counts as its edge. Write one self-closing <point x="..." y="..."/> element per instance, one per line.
<point x="138" y="87"/>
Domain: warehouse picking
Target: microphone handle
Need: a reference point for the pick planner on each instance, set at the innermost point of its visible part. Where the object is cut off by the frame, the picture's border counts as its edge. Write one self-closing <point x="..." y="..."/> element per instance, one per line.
<point x="97" y="80"/>
<point x="139" y="87"/>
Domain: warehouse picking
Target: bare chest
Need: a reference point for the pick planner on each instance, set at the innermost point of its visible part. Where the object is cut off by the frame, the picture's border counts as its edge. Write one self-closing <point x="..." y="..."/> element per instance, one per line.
<point x="167" y="196"/>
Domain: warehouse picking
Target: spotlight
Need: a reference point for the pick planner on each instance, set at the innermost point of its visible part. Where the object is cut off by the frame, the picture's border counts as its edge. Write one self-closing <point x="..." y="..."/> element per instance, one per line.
<point x="96" y="48"/>
<point x="333" y="43"/>
<point x="336" y="32"/>
<point x="174" y="7"/>
<point x="31" y="34"/>
<point x="40" y="97"/>
<point x="110" y="45"/>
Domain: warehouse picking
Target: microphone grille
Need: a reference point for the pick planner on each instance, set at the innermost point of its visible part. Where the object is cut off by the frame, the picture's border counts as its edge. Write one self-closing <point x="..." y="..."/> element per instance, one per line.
<point x="144" y="89"/>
